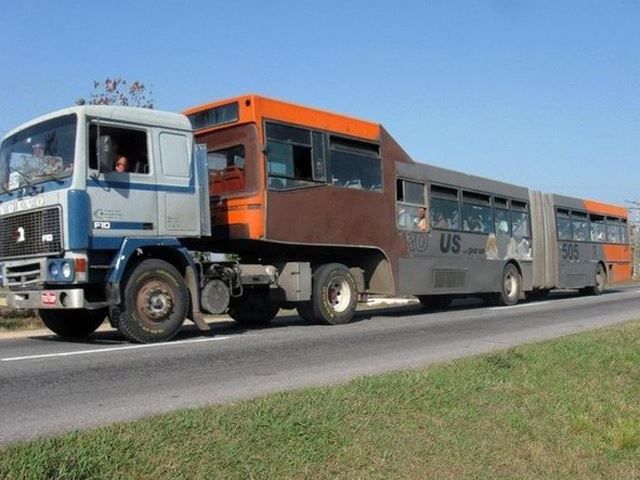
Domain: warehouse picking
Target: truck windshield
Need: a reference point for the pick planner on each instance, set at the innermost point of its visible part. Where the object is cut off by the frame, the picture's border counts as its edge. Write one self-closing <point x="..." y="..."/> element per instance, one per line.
<point x="39" y="153"/>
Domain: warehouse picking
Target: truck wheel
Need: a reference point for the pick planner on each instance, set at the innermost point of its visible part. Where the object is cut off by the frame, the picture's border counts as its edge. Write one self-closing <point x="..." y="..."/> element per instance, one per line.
<point x="155" y="302"/>
<point x="73" y="323"/>
<point x="599" y="283"/>
<point x="509" y="287"/>
<point x="254" y="310"/>
<point x="333" y="295"/>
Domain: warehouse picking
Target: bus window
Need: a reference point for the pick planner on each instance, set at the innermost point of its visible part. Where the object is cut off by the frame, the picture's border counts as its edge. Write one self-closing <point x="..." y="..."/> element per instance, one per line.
<point x="580" y="226"/>
<point x="226" y="170"/>
<point x="564" y="225"/>
<point x="598" y="229"/>
<point x="355" y="164"/>
<point x="624" y="231"/>
<point x="444" y="208"/>
<point x="476" y="213"/>
<point x="502" y="224"/>
<point x="613" y="230"/>
<point x="289" y="159"/>
<point x="411" y="209"/>
<point x="519" y="219"/>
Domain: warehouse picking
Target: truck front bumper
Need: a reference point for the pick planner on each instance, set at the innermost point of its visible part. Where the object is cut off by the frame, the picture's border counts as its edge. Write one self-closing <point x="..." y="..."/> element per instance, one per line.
<point x="37" y="299"/>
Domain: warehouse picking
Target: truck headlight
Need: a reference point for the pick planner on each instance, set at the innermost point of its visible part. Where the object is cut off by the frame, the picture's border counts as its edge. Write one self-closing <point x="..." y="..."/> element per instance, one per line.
<point x="54" y="270"/>
<point x="66" y="270"/>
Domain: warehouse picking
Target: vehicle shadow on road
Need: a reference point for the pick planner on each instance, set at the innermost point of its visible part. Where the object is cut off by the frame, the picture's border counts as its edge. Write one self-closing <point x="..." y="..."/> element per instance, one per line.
<point x="288" y="319"/>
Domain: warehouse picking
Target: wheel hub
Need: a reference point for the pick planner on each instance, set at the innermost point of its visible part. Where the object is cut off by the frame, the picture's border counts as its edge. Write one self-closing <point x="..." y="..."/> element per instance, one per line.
<point x="339" y="294"/>
<point x="155" y="301"/>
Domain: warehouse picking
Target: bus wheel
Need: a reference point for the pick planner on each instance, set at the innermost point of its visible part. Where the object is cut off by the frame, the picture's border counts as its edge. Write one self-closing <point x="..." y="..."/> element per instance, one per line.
<point x="254" y="310"/>
<point x="73" y="323"/>
<point x="599" y="283"/>
<point x="155" y="303"/>
<point x="334" y="294"/>
<point x="509" y="287"/>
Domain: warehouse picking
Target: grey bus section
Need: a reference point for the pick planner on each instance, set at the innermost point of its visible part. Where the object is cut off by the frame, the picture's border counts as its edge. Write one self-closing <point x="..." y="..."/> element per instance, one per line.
<point x="443" y="261"/>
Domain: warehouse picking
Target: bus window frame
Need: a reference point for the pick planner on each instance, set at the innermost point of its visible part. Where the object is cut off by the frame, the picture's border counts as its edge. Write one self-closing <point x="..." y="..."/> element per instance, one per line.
<point x="402" y="205"/>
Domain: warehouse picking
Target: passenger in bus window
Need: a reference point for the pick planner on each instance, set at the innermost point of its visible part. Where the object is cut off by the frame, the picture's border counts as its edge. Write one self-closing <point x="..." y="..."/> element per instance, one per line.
<point x="421" y="221"/>
<point x="440" y="221"/>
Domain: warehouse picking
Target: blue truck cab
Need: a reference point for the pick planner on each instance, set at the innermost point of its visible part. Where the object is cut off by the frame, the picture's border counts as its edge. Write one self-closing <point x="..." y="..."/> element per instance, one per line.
<point x="75" y="232"/>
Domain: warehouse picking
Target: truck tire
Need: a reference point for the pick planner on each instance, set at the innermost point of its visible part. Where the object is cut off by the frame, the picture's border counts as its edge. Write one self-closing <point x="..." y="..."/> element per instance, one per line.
<point x="73" y="323"/>
<point x="599" y="283"/>
<point x="155" y="302"/>
<point x="254" y="310"/>
<point x="334" y="295"/>
<point x="510" y="286"/>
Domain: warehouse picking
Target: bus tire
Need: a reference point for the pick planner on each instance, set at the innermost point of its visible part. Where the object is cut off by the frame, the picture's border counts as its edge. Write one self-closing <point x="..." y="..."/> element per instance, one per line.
<point x="334" y="294"/>
<point x="254" y="310"/>
<point x="73" y="323"/>
<point x="510" y="286"/>
<point x="155" y="303"/>
<point x="599" y="282"/>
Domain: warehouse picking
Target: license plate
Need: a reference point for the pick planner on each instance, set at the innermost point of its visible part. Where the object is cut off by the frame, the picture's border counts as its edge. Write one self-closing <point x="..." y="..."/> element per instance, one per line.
<point x="48" y="298"/>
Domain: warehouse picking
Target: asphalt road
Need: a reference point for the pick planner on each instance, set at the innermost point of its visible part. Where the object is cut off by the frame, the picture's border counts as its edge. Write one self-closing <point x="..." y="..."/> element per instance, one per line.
<point x="49" y="386"/>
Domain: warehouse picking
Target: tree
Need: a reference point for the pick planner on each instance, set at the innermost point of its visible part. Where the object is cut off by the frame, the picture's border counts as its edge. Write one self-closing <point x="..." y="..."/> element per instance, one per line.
<point x="117" y="91"/>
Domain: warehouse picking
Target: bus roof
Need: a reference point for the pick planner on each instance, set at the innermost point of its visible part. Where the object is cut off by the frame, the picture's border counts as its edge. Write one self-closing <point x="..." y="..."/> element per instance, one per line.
<point x="253" y="108"/>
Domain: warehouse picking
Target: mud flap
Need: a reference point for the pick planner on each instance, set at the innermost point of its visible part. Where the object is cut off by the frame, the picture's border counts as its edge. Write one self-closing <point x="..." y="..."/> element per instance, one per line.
<point x="196" y="314"/>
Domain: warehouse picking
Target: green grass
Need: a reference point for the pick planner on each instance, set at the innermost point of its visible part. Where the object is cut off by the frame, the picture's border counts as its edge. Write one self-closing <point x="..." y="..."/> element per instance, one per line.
<point x="18" y="320"/>
<point x="568" y="408"/>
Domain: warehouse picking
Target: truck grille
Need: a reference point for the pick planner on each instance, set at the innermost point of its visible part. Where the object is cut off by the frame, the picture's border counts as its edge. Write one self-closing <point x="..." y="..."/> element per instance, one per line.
<point x="32" y="233"/>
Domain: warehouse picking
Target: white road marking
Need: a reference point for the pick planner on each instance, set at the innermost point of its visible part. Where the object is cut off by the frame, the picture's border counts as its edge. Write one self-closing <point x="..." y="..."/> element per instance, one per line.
<point x="521" y="305"/>
<point x="112" y="349"/>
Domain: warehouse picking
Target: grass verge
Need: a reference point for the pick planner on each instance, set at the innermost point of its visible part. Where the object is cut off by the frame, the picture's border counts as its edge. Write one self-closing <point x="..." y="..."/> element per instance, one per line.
<point x="19" y="320"/>
<point x="566" y="408"/>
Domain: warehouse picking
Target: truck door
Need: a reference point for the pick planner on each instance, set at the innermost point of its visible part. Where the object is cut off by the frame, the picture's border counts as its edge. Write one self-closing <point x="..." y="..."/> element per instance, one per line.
<point x="123" y="196"/>
<point x="178" y="204"/>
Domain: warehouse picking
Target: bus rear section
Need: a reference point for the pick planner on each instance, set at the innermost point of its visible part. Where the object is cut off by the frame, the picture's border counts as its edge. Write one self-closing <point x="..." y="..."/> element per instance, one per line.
<point x="593" y="244"/>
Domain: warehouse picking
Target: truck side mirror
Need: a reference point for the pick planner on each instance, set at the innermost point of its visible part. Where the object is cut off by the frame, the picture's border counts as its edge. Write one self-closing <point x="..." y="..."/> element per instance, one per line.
<point x="106" y="155"/>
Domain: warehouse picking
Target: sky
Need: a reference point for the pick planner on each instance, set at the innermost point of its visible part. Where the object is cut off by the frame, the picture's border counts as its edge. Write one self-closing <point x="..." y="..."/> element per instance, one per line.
<point x="544" y="94"/>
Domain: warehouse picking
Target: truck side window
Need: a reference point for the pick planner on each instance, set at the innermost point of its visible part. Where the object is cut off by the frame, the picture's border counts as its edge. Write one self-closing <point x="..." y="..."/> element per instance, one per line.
<point x="126" y="142"/>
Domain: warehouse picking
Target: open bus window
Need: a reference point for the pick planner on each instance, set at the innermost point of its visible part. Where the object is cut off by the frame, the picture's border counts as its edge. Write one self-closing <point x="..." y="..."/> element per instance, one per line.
<point x="519" y="219"/>
<point x="613" y="231"/>
<point x="445" y="211"/>
<point x="226" y="170"/>
<point x="290" y="162"/>
<point x="355" y="164"/>
<point x="580" y="226"/>
<point x="411" y="210"/>
<point x="476" y="213"/>
<point x="598" y="229"/>
<point x="624" y="231"/>
<point x="502" y="221"/>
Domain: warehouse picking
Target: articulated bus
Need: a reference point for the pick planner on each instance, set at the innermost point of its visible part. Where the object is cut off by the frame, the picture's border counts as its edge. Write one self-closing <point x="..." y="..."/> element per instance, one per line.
<point x="292" y="183"/>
